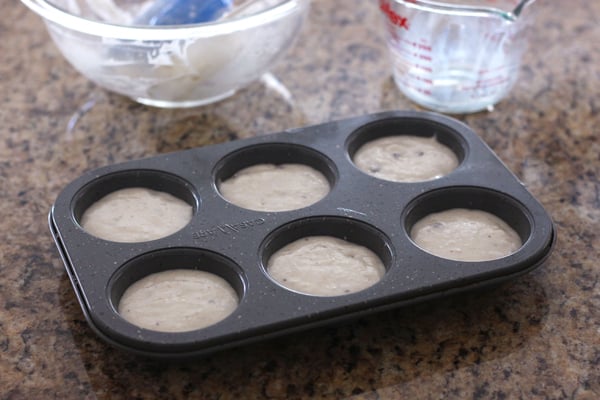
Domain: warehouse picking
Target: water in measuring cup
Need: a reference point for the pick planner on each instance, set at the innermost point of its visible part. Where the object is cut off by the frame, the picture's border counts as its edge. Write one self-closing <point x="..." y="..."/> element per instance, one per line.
<point x="456" y="89"/>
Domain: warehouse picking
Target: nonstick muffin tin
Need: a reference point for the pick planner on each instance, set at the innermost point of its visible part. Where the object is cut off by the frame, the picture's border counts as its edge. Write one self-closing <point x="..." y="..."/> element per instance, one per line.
<point x="236" y="243"/>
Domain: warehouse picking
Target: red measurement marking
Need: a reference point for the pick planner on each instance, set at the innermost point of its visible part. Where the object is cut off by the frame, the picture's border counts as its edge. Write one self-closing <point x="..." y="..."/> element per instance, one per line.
<point x="392" y="15"/>
<point x="500" y="69"/>
<point x="426" y="91"/>
<point x="488" y="84"/>
<point x="428" y="81"/>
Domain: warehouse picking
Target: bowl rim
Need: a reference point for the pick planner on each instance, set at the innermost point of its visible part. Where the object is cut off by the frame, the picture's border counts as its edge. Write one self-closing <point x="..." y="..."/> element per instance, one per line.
<point x="51" y="13"/>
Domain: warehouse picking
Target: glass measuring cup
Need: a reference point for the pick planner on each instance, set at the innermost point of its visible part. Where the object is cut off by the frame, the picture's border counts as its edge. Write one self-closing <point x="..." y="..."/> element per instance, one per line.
<point x="456" y="56"/>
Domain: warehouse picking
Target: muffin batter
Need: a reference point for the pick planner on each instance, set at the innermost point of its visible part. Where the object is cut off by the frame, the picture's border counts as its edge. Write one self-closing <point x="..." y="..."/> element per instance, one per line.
<point x="404" y="158"/>
<point x="178" y="300"/>
<point x="465" y="235"/>
<point x="136" y="215"/>
<point x="269" y="187"/>
<point x="325" y="266"/>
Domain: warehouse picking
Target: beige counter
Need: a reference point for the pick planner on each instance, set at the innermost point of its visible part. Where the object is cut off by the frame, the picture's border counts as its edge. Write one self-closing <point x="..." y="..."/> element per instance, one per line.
<point x="535" y="337"/>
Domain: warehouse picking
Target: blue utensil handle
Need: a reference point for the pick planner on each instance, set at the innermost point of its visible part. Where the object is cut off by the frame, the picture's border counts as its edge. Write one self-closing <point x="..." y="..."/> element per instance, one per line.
<point x="180" y="12"/>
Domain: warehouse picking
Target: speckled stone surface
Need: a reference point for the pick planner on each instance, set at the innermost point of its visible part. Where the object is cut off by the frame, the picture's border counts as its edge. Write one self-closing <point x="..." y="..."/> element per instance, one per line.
<point x="535" y="337"/>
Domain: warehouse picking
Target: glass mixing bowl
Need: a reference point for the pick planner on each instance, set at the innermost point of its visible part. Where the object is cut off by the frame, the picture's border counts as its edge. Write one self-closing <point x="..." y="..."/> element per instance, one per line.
<point x="175" y="65"/>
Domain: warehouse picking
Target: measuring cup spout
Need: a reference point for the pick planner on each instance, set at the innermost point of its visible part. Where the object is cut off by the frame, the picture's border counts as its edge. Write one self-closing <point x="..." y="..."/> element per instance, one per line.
<point x="516" y="12"/>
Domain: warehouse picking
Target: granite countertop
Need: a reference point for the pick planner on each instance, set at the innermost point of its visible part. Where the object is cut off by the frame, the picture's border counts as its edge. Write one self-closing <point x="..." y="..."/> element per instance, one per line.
<point x="537" y="336"/>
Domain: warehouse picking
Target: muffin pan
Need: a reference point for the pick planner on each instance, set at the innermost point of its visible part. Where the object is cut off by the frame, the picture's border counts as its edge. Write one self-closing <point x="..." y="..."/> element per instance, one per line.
<point x="236" y="243"/>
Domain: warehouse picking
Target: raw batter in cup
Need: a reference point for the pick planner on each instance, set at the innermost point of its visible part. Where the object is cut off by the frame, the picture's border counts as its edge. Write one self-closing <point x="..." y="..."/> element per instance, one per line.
<point x="465" y="235"/>
<point x="325" y="266"/>
<point x="136" y="214"/>
<point x="404" y="158"/>
<point x="178" y="301"/>
<point x="270" y="187"/>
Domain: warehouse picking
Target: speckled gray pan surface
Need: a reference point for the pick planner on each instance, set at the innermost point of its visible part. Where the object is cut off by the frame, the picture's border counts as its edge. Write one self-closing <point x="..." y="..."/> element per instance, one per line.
<point x="235" y="243"/>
